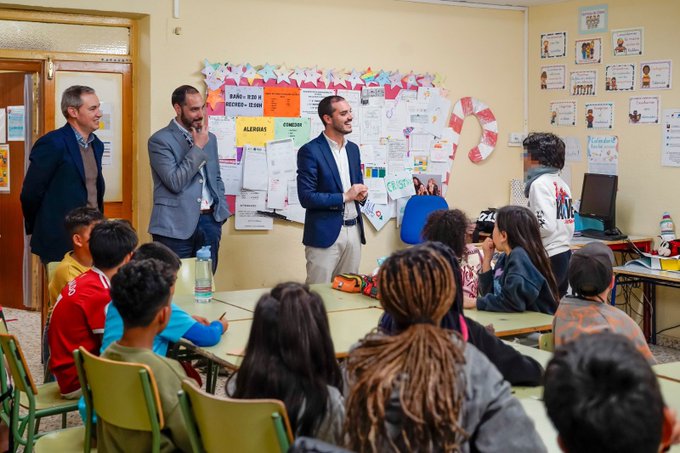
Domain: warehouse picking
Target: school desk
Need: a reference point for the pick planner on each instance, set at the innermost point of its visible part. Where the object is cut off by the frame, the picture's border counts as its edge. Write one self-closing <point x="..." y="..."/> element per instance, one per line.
<point x="212" y="310"/>
<point x="542" y="357"/>
<point x="670" y="371"/>
<point x="642" y="243"/>
<point x="631" y="275"/>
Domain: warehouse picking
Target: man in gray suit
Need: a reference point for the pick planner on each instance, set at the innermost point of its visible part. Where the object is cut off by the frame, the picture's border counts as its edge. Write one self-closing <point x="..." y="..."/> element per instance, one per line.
<point x="189" y="206"/>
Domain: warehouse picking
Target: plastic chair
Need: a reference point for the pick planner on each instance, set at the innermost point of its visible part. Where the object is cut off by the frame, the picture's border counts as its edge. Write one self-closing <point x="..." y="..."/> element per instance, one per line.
<point x="122" y="394"/>
<point x="417" y="209"/>
<point x="243" y="425"/>
<point x="186" y="278"/>
<point x="39" y="401"/>
<point x="546" y="342"/>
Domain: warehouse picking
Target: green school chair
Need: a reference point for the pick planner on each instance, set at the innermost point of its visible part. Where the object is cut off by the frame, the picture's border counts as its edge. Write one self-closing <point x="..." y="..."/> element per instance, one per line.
<point x="39" y="401"/>
<point x="122" y="394"/>
<point x="246" y="426"/>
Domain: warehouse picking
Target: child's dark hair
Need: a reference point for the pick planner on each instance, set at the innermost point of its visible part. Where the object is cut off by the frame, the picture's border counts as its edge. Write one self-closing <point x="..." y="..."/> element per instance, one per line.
<point x="160" y="252"/>
<point x="140" y="289"/>
<point x="546" y="148"/>
<point x="290" y="355"/>
<point x="602" y="396"/>
<point x="448" y="226"/>
<point x="110" y="242"/>
<point x="522" y="229"/>
<point x="81" y="217"/>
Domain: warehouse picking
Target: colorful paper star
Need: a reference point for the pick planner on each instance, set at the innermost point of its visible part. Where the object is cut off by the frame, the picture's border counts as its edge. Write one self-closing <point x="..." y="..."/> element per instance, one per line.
<point x="267" y="72"/>
<point x="214" y="98"/>
<point x="382" y="79"/>
<point x="299" y="76"/>
<point x="337" y="78"/>
<point x="438" y="80"/>
<point x="325" y="77"/>
<point x="251" y="74"/>
<point x="312" y="75"/>
<point x="368" y="76"/>
<point x="426" y="80"/>
<point x="221" y="72"/>
<point x="235" y="73"/>
<point x="208" y="68"/>
<point x="354" y="79"/>
<point x="282" y="73"/>
<point x="411" y="80"/>
<point x="395" y="79"/>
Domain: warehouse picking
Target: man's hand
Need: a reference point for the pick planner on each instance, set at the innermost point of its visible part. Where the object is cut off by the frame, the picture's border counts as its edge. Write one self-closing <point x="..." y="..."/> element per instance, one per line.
<point x="357" y="192"/>
<point x="200" y="137"/>
<point x="201" y="320"/>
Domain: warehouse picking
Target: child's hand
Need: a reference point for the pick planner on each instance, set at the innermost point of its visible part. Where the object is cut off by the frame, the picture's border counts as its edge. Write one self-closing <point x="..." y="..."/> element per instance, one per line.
<point x="488" y="248"/>
<point x="225" y="325"/>
<point x="201" y="320"/>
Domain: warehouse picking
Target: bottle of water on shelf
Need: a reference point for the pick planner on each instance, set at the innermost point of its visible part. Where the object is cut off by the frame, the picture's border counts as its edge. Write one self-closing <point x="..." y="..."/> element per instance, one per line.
<point x="203" y="287"/>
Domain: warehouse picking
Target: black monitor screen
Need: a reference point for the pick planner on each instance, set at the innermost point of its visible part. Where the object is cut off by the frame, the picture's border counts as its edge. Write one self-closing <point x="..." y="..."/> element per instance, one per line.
<point x="598" y="196"/>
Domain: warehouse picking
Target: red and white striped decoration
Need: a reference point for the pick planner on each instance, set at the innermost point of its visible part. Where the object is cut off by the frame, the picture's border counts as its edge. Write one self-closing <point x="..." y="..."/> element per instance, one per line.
<point x="471" y="106"/>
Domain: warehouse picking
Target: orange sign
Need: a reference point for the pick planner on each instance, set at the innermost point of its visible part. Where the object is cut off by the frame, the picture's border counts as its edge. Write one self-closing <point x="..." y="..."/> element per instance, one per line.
<point x="281" y="101"/>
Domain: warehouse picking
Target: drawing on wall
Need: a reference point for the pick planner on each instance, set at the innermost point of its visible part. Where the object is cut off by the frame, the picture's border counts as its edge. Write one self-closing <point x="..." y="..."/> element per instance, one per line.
<point x="563" y="113"/>
<point x="553" y="77"/>
<point x="583" y="83"/>
<point x="656" y="75"/>
<point x="643" y="110"/>
<point x="599" y="115"/>
<point x="619" y="77"/>
<point x="588" y="51"/>
<point x="627" y="42"/>
<point x="592" y="19"/>
<point x="554" y="45"/>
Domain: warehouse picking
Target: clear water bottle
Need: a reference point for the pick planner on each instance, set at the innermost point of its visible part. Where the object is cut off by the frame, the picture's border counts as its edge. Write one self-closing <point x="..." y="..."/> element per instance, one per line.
<point x="203" y="287"/>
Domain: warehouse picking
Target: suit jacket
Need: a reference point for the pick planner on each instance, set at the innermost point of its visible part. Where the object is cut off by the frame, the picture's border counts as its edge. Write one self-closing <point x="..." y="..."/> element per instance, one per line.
<point x="54" y="185"/>
<point x="320" y="191"/>
<point x="178" y="184"/>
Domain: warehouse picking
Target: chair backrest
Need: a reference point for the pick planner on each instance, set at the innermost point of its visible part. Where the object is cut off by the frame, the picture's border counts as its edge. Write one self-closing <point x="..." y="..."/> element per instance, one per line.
<point x="244" y="425"/>
<point x="546" y="342"/>
<point x="16" y="362"/>
<point x="417" y="209"/>
<point x="123" y="394"/>
<point x="186" y="278"/>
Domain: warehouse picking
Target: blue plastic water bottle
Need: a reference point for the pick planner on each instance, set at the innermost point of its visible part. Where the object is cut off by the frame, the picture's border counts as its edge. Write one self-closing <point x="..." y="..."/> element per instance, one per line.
<point x="203" y="287"/>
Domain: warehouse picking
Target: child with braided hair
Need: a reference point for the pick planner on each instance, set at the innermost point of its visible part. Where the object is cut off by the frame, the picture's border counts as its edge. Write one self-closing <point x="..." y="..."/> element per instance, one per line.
<point x="424" y="389"/>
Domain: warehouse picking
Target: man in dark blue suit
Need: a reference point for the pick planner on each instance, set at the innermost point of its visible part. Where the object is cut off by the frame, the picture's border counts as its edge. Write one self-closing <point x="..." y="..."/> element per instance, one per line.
<point x="65" y="172"/>
<point x="331" y="189"/>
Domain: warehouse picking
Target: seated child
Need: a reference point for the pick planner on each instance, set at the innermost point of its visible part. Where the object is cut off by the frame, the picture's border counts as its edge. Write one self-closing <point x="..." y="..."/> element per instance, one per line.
<point x="516" y="368"/>
<point x="424" y="389"/>
<point x="290" y="357"/>
<point x="602" y="396"/>
<point x="522" y="279"/>
<point x="550" y="199"/>
<point x="591" y="278"/>
<point x="181" y="325"/>
<point x="451" y="227"/>
<point x="79" y="223"/>
<point x="141" y="292"/>
<point x="78" y="315"/>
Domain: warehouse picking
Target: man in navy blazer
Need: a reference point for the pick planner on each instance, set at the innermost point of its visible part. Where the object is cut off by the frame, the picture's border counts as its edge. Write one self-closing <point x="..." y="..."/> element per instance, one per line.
<point x="189" y="206"/>
<point x="65" y="172"/>
<point x="331" y="189"/>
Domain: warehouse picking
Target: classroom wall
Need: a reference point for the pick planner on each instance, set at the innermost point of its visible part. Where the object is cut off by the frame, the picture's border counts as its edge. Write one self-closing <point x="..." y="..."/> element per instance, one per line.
<point x="646" y="189"/>
<point x="478" y="51"/>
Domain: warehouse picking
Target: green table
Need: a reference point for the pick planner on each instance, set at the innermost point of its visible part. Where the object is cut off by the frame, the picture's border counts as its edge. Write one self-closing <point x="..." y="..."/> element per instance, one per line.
<point x="510" y="324"/>
<point x="212" y="310"/>
<point x="542" y="357"/>
<point x="669" y="371"/>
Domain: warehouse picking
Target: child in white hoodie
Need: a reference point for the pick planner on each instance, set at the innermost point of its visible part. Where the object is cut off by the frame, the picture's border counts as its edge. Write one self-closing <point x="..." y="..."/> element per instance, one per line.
<point x="550" y="199"/>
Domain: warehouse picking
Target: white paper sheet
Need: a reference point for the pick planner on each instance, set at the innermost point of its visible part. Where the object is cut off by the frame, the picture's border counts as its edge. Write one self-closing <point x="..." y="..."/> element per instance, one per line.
<point x="400" y="185"/>
<point x="397" y="155"/>
<point x="437" y="113"/>
<point x="224" y="128"/>
<point x="670" y="138"/>
<point x="378" y="215"/>
<point x="376" y="190"/>
<point x="232" y="176"/>
<point x="420" y="142"/>
<point x="3" y="126"/>
<point x="603" y="154"/>
<point x="247" y="205"/>
<point x="309" y="108"/>
<point x="15" y="123"/>
<point x="572" y="149"/>
<point x="371" y="125"/>
<point x="281" y="158"/>
<point x="277" y="190"/>
<point x="353" y="98"/>
<point x="254" y="162"/>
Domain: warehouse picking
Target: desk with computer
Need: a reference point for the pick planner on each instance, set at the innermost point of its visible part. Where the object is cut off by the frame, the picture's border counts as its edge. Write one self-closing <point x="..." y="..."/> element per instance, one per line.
<point x="598" y="202"/>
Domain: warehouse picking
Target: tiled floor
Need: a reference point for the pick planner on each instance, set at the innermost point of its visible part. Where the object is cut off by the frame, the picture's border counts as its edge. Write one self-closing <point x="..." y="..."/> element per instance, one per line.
<point x="26" y="326"/>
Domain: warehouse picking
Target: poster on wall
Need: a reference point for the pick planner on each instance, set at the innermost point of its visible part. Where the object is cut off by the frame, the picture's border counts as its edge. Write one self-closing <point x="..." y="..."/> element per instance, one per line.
<point x="670" y="138"/>
<point x="627" y="42"/>
<point x="563" y="113"/>
<point x="553" y="77"/>
<point x="592" y="19"/>
<point x="4" y="168"/>
<point x="643" y="110"/>
<point x="603" y="154"/>
<point x="15" y="123"/>
<point x="583" y="83"/>
<point x="619" y="77"/>
<point x="599" y="115"/>
<point x="572" y="148"/>
<point x="554" y="45"/>
<point x="655" y="75"/>
<point x="3" y="126"/>
<point x="588" y="51"/>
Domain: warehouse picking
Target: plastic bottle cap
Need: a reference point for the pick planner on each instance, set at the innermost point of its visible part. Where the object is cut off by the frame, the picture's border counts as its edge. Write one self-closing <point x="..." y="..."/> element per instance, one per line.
<point x="203" y="253"/>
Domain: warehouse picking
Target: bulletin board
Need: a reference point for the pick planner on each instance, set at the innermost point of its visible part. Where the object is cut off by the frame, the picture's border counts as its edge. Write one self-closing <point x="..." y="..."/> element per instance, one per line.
<point x="263" y="114"/>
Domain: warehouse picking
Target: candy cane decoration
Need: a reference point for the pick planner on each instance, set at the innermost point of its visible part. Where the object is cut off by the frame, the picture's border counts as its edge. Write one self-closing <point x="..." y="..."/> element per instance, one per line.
<point x="471" y="106"/>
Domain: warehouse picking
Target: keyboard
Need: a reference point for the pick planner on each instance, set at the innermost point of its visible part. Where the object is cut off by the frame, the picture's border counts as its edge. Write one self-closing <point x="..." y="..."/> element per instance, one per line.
<point x="599" y="234"/>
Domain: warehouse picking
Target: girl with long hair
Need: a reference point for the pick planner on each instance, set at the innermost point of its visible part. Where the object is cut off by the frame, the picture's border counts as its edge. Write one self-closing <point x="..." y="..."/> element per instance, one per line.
<point x="424" y="389"/>
<point x="290" y="357"/>
<point x="522" y="278"/>
<point x="516" y="368"/>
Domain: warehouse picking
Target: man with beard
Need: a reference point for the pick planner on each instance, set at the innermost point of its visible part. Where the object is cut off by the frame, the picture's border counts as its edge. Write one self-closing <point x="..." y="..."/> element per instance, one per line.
<point x="189" y="206"/>
<point x="330" y="188"/>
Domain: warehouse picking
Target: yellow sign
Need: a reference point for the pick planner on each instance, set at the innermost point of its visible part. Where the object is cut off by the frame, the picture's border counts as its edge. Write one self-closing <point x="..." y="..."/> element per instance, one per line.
<point x="254" y="130"/>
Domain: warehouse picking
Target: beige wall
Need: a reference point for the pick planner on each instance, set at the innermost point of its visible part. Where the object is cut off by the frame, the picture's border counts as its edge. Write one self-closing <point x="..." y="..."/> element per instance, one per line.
<point x="646" y="189"/>
<point x="478" y="51"/>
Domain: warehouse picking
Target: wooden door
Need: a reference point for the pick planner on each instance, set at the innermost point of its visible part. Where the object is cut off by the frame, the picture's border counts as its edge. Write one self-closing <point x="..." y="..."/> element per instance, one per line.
<point x="12" y="83"/>
<point x="113" y="84"/>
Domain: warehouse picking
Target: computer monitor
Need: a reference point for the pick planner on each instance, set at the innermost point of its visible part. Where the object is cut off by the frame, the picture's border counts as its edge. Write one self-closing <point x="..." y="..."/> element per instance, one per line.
<point x="598" y="199"/>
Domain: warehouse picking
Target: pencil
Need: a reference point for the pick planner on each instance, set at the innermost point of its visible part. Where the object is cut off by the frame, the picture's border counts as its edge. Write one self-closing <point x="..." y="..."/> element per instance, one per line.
<point x="223" y="315"/>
